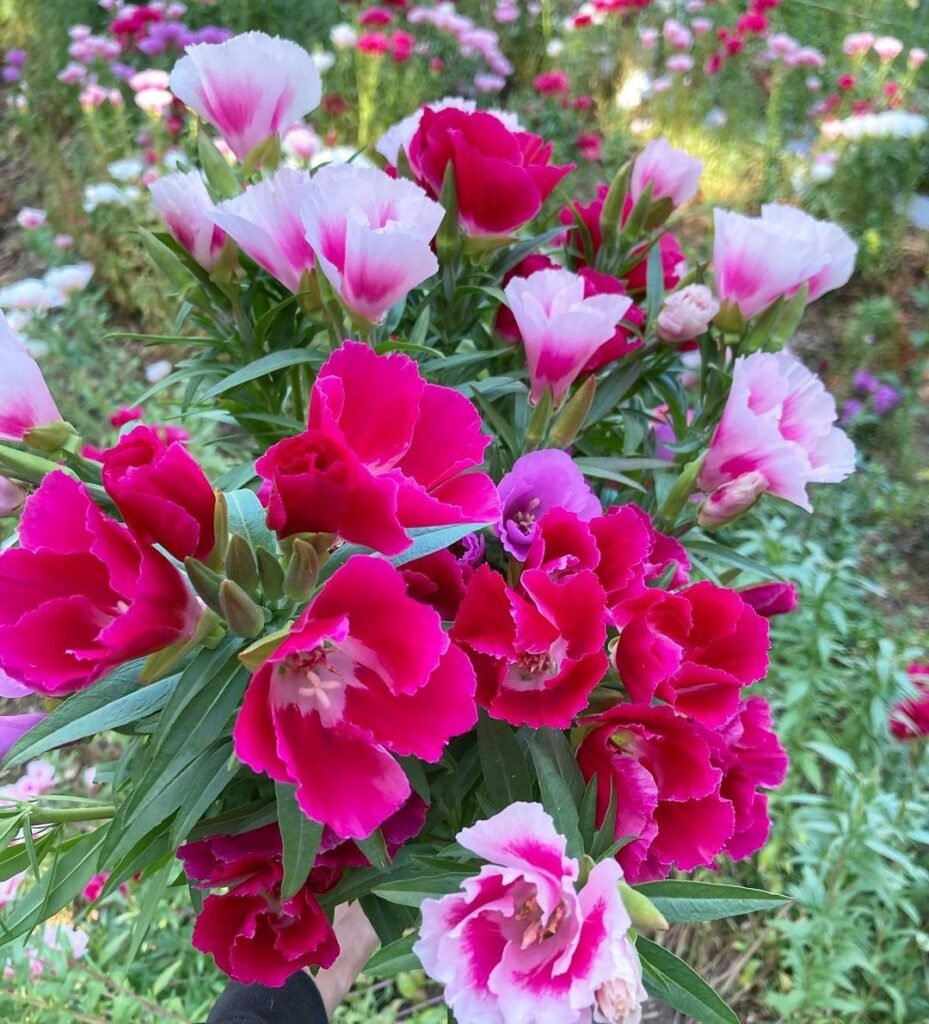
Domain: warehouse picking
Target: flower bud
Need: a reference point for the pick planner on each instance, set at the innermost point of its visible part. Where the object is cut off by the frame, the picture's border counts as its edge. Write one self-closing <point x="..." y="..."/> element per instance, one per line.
<point x="241" y="565"/>
<point x="271" y="575"/>
<point x="642" y="911"/>
<point x="205" y="582"/>
<point x="771" y="598"/>
<point x="50" y="437"/>
<point x="244" y="617"/>
<point x="732" y="499"/>
<point x="572" y="416"/>
<point x="302" y="571"/>
<point x="687" y="313"/>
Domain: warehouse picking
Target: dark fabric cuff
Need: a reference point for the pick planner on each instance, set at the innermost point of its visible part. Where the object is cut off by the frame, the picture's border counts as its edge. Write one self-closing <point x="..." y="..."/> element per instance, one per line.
<point x="296" y="1002"/>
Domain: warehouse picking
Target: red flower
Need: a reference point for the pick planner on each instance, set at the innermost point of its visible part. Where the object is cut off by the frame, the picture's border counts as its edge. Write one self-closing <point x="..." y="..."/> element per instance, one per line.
<point x="538" y="652"/>
<point x="482" y="151"/>
<point x="590" y="145"/>
<point x="80" y="595"/>
<point x="384" y="451"/>
<point x="752" y="23"/>
<point x="161" y="493"/>
<point x="375" y="16"/>
<point x="694" y="649"/>
<point x="623" y="341"/>
<point x="771" y="598"/>
<point x="375" y="44"/>
<point x="439" y="580"/>
<point x="552" y="83"/>
<point x="401" y="44"/>
<point x="909" y="720"/>
<point x="366" y="672"/>
<point x="846" y="82"/>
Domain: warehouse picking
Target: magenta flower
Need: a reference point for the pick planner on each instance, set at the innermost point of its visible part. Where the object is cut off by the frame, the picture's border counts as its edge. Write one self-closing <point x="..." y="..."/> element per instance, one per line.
<point x="80" y="595"/>
<point x="518" y="942"/>
<point x="265" y="223"/>
<point x="249" y="87"/>
<point x="779" y="421"/>
<point x="185" y="206"/>
<point x="672" y="173"/>
<point x="25" y="400"/>
<point x="540" y="481"/>
<point x="365" y="673"/>
<point x="560" y="328"/>
<point x="773" y="598"/>
<point x="371" y="234"/>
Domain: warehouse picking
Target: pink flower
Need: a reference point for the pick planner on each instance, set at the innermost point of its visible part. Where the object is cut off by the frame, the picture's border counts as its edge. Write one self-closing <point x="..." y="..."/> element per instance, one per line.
<point x="12" y="497"/>
<point x="25" y="400"/>
<point x="687" y="313"/>
<point x="366" y="672"/>
<point x="858" y="43"/>
<point x="560" y="328"/>
<point x="385" y="451"/>
<point x="552" y="83"/>
<point x="538" y="650"/>
<point x="92" y="891"/>
<point x="680" y="63"/>
<point x="916" y="58"/>
<point x="731" y="499"/>
<point x="371" y="234"/>
<point x="154" y="102"/>
<point x="249" y="87"/>
<point x="29" y="218"/>
<point x="888" y="48"/>
<point x="672" y="173"/>
<point x="830" y="240"/>
<point x="693" y="649"/>
<point x="162" y="494"/>
<point x="778" y="421"/>
<point x="265" y="223"/>
<point x="909" y="720"/>
<point x="254" y="936"/>
<point x="80" y="595"/>
<point x="481" y="149"/>
<point x="14" y="727"/>
<point x="518" y="942"/>
<point x="63" y="242"/>
<point x="771" y="598"/>
<point x="185" y="206"/>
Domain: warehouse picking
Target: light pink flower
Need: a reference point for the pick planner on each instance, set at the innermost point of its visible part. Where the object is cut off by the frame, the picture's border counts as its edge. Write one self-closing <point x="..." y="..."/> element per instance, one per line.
<point x="265" y="223"/>
<point x="249" y="87"/>
<point x="518" y="942"/>
<point x="185" y="206"/>
<point x="154" y="101"/>
<point x="301" y="142"/>
<point x="560" y="329"/>
<point x="11" y="498"/>
<point x="672" y="173"/>
<point x="888" y="48"/>
<point x="680" y="63"/>
<point x="916" y="58"/>
<point x="779" y="421"/>
<point x="858" y="43"/>
<point x="731" y="499"/>
<point x="687" y="313"/>
<point x="150" y="78"/>
<point x="648" y="37"/>
<point x="371" y="234"/>
<point x="29" y="218"/>
<point x="25" y="400"/>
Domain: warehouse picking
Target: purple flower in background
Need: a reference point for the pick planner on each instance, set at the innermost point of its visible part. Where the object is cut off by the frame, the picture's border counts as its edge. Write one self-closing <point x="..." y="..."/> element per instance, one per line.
<point x="12" y="727"/>
<point x="885" y="398"/>
<point x="540" y="481"/>
<point x="213" y="34"/>
<point x="11" y="74"/>
<point x="472" y="550"/>
<point x="851" y="410"/>
<point x="15" y="58"/>
<point x="864" y="381"/>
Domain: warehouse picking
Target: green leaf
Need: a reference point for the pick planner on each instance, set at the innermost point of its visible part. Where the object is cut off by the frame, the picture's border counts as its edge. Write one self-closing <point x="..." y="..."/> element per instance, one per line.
<point x="707" y="901"/>
<point x="556" y="745"/>
<point x="654" y="283"/>
<point x="150" y="898"/>
<point x="721" y="553"/>
<point x="300" y="836"/>
<point x="669" y="979"/>
<point x="613" y="388"/>
<point x="396" y="958"/>
<point x="517" y="253"/>
<point x="503" y="764"/>
<point x="410" y="892"/>
<point x="206" y="786"/>
<point x="115" y="700"/>
<point x="557" y="798"/>
<point x="605" y="836"/>
<point x="271" y="363"/>
<point x="247" y="516"/>
<point x="374" y="847"/>
<point x="426" y="540"/>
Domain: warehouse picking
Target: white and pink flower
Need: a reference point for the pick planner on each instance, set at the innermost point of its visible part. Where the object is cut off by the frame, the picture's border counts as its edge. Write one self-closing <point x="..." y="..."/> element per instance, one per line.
<point x="25" y="400"/>
<point x="672" y="173"/>
<point x="186" y="208"/>
<point x="687" y="313"/>
<point x="518" y="942"/>
<point x="250" y="87"/>
<point x="371" y="234"/>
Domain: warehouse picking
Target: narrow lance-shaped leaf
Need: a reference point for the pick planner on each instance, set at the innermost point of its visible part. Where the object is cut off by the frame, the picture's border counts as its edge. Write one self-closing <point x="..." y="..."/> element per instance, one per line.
<point x="300" y="837"/>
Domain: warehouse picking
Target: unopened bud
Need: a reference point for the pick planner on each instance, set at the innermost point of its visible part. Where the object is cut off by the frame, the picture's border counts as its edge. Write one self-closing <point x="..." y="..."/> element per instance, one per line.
<point x="241" y="565"/>
<point x="732" y="499"/>
<point x="271" y="575"/>
<point x="50" y="437"/>
<point x="572" y="416"/>
<point x="217" y="556"/>
<point x="641" y="910"/>
<point x="205" y="582"/>
<point x="730" y="319"/>
<point x="244" y="617"/>
<point x="302" y="571"/>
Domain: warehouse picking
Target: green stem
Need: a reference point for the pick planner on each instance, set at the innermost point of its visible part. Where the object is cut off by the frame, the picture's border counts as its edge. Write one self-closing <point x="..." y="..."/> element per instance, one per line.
<point x="296" y="391"/>
<point x="51" y="816"/>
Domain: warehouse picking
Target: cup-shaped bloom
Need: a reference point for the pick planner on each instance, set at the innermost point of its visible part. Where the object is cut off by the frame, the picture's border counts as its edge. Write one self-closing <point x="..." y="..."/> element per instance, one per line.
<point x="687" y="313"/>
<point x="264" y="221"/>
<point x="672" y="173"/>
<point x="694" y="649"/>
<point x="518" y="941"/>
<point x="779" y="420"/>
<point x="371" y="234"/>
<point x="80" y="595"/>
<point x="366" y="672"/>
<point x="161" y="492"/>
<point x="538" y="650"/>
<point x="185" y="206"/>
<point x="502" y="177"/>
<point x="249" y="87"/>
<point x="687" y="793"/>
<point x="561" y="330"/>
<point x="540" y="481"/>
<point x="25" y="400"/>
<point x="385" y="451"/>
<point x="253" y="935"/>
<point x="832" y="242"/>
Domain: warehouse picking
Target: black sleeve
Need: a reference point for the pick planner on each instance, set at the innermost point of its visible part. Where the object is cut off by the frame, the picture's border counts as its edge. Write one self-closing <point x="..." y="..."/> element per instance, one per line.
<point x="296" y="1002"/>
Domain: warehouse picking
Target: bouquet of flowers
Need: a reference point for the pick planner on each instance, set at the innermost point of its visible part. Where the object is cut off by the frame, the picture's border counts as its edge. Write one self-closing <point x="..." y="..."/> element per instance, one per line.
<point x="452" y="633"/>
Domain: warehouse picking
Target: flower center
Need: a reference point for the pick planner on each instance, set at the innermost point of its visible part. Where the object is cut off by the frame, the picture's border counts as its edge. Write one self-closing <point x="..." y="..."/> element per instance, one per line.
<point x="535" y="929"/>
<point x="317" y="680"/>
<point x="525" y="518"/>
